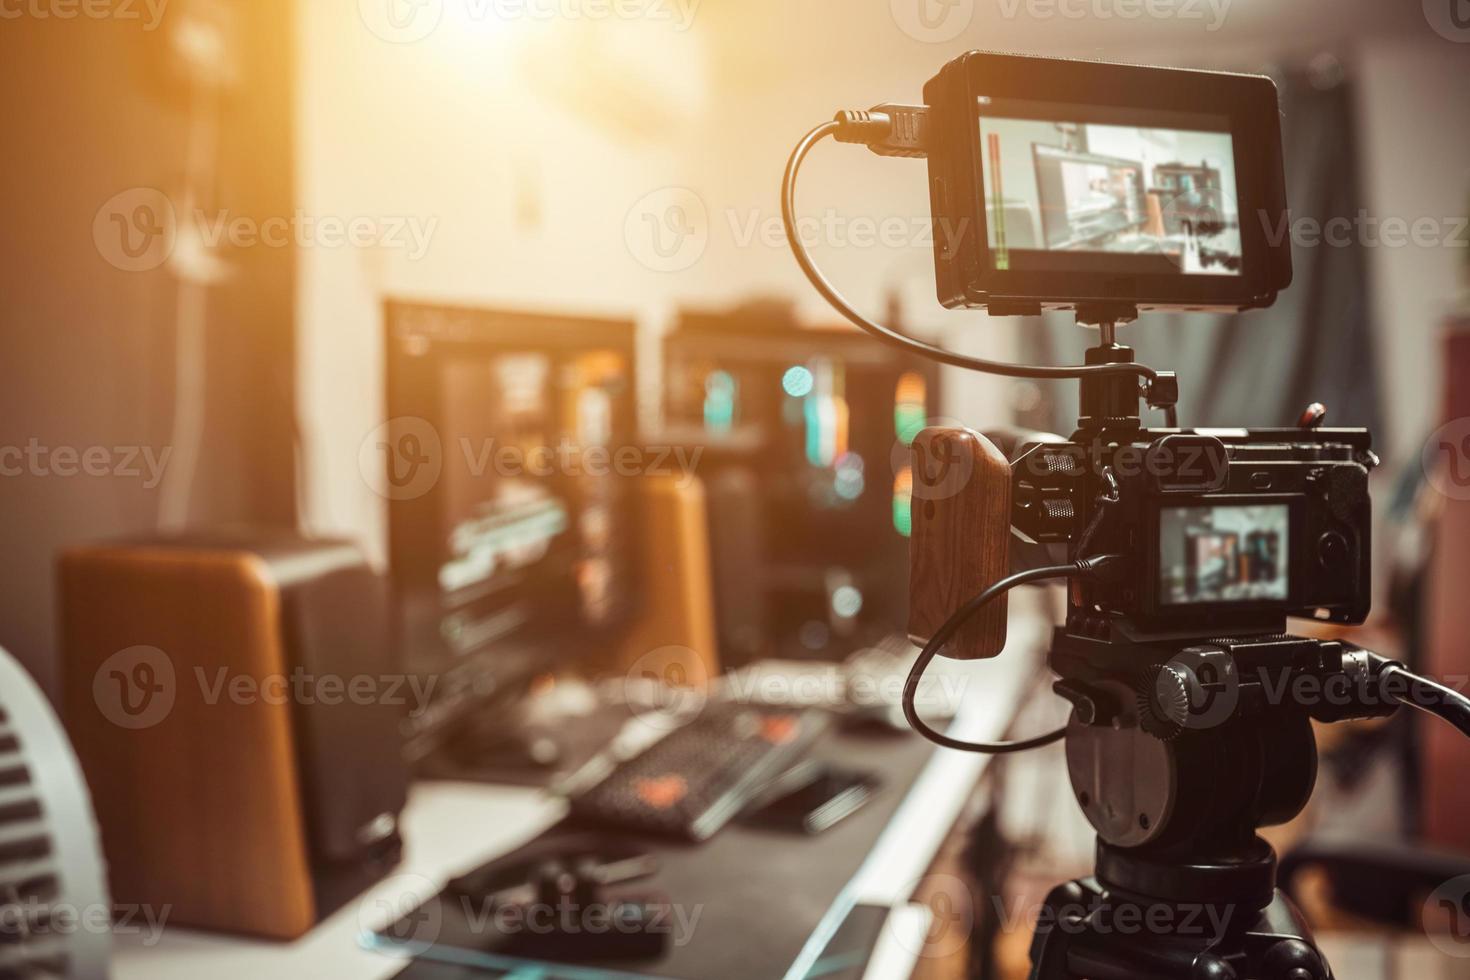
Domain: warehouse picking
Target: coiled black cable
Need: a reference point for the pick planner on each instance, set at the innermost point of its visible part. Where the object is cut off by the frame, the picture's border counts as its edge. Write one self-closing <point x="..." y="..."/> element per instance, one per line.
<point x="892" y="337"/>
<point x="947" y="631"/>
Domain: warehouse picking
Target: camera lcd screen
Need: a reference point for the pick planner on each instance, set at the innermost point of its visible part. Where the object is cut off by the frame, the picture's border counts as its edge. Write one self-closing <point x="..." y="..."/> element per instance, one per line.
<point x="1222" y="554"/>
<point x="1106" y="189"/>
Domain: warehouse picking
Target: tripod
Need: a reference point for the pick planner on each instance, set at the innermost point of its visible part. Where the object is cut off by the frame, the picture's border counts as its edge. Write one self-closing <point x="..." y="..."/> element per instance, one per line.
<point x="1183" y="886"/>
<point x="1177" y="765"/>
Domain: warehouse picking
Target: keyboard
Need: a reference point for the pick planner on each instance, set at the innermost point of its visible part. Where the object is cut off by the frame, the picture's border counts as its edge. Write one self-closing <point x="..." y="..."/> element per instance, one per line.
<point x="699" y="777"/>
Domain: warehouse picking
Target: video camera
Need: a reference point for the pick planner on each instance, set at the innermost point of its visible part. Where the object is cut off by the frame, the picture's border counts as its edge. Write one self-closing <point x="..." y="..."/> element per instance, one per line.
<point x="1110" y="190"/>
<point x="1219" y="533"/>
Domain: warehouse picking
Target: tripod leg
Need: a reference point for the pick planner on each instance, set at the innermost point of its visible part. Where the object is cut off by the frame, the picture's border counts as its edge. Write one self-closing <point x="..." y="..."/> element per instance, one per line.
<point x="1076" y="937"/>
<point x="1060" y="921"/>
<point x="1285" y="945"/>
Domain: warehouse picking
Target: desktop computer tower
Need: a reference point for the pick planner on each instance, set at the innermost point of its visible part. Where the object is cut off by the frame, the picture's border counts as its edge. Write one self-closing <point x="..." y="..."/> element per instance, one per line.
<point x="231" y="701"/>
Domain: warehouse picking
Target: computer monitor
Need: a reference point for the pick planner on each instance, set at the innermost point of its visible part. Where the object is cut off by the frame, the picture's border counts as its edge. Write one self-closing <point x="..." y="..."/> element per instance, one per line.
<point x="805" y="435"/>
<point x="1064" y="186"/>
<point x="517" y="555"/>
<point x="1087" y="198"/>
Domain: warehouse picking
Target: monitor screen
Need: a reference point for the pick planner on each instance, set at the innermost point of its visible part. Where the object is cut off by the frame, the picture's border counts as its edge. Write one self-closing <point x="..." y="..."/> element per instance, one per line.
<point x="517" y="554"/>
<point x="1134" y="192"/>
<point x="1224" y="553"/>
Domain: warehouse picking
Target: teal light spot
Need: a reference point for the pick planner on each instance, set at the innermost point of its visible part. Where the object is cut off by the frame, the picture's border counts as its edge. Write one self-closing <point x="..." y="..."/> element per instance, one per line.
<point x="798" y="381"/>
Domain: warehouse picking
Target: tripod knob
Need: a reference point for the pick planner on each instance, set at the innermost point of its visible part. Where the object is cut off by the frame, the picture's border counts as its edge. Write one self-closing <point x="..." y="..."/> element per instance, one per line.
<point x="1293" y="959"/>
<point x="1172" y="693"/>
<point x="1313" y="417"/>
<point x="1164" y="698"/>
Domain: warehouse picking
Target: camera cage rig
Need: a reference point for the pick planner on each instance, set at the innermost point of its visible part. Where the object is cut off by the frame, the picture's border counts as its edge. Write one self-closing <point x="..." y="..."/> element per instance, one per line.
<point x="1184" y="738"/>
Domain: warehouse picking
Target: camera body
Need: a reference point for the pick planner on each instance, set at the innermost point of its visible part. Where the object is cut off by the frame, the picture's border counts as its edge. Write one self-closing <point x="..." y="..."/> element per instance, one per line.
<point x="1055" y="184"/>
<point x="1225" y="532"/>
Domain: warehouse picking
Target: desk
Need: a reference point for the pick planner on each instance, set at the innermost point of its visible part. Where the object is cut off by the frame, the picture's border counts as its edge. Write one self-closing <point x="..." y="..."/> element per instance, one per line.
<point x="451" y="827"/>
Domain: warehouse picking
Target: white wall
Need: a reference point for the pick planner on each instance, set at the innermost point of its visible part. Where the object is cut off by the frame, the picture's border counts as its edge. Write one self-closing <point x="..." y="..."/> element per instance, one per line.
<point x="538" y="206"/>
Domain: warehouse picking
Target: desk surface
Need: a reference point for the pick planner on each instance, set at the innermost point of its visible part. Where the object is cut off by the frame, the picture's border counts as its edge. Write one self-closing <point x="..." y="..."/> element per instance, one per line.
<point x="450" y="828"/>
<point x="744" y="903"/>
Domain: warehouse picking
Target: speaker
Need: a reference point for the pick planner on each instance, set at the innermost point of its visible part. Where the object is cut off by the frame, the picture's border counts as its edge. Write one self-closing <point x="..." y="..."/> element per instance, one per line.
<point x="231" y="699"/>
<point x="676" y="610"/>
<point x="50" y="859"/>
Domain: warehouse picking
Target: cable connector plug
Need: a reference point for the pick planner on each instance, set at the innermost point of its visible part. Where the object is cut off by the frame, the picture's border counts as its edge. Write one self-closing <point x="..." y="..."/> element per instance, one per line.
<point x="888" y="129"/>
<point x="1103" y="568"/>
